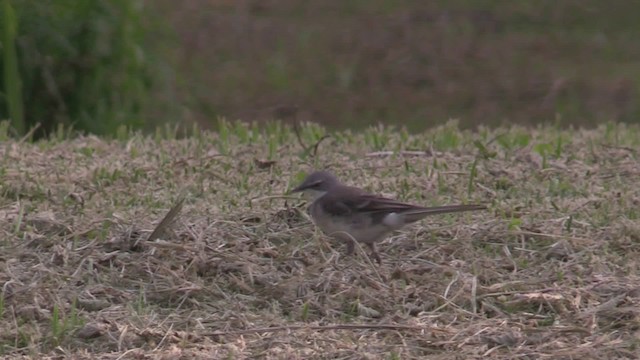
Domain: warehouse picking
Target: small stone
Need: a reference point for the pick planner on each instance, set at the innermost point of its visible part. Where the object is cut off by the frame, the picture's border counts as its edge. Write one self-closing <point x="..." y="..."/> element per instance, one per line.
<point x="89" y="331"/>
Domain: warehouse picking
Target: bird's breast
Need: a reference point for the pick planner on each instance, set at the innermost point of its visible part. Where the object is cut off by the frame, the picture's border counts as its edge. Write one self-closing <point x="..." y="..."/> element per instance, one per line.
<point x="353" y="226"/>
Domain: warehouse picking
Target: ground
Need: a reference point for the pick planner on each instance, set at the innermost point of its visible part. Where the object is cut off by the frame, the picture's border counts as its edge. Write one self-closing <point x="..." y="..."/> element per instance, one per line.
<point x="548" y="271"/>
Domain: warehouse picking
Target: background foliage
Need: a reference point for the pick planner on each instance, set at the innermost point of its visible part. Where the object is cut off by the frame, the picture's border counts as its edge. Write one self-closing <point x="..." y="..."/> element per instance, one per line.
<point x="412" y="62"/>
<point x="78" y="63"/>
<point x="98" y="64"/>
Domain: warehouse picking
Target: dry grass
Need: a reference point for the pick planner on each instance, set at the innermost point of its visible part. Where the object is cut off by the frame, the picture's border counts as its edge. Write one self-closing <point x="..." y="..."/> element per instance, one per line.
<point x="551" y="271"/>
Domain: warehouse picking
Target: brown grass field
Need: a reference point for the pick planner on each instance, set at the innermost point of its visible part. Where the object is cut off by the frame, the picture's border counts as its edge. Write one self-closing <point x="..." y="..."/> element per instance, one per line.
<point x="550" y="271"/>
<point x="411" y="62"/>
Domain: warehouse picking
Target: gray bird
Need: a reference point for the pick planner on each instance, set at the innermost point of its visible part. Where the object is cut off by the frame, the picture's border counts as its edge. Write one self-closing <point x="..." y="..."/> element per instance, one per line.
<point x="350" y="213"/>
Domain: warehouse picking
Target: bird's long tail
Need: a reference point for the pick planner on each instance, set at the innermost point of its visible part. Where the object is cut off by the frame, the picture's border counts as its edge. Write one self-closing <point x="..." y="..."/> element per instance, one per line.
<point x="420" y="213"/>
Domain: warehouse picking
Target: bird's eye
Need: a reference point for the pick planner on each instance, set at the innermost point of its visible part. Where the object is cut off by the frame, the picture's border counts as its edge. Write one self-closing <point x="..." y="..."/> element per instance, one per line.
<point x="316" y="184"/>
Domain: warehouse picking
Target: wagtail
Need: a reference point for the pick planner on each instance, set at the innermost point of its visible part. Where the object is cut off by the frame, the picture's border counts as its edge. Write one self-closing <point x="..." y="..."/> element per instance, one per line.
<point x="352" y="214"/>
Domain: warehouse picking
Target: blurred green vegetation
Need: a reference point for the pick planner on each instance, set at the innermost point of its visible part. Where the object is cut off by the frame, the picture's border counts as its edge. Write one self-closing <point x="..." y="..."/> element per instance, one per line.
<point x="96" y="65"/>
<point x="11" y="79"/>
<point x="80" y="64"/>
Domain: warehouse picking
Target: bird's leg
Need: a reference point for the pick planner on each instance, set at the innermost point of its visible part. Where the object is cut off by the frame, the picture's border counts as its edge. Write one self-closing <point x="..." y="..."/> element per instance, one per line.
<point x="351" y="246"/>
<point x="374" y="253"/>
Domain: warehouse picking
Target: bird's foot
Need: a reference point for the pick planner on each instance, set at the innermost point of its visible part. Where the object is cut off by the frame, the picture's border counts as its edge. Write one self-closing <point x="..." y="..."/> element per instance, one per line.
<point x="351" y="246"/>
<point x="374" y="253"/>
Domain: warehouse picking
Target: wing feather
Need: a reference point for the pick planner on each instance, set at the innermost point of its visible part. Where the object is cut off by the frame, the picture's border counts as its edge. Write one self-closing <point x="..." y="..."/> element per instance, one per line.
<point x="351" y="200"/>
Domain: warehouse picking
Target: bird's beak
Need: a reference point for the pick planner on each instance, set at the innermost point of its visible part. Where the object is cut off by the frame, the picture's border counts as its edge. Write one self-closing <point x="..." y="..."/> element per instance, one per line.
<point x="298" y="188"/>
<point x="304" y="186"/>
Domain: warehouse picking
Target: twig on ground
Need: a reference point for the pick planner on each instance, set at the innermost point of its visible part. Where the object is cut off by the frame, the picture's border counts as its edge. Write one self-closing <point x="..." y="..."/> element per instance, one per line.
<point x="321" y="328"/>
<point x="169" y="218"/>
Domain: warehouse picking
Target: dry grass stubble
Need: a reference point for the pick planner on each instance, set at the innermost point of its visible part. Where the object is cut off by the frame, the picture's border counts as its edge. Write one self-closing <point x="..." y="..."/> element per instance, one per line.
<point x="549" y="272"/>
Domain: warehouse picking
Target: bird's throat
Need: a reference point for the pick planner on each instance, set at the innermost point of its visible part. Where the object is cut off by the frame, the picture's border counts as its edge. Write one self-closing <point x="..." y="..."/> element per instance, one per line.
<point x="313" y="195"/>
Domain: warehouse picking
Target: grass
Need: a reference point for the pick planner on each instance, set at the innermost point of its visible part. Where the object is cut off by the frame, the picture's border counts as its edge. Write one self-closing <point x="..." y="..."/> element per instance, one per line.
<point x="550" y="271"/>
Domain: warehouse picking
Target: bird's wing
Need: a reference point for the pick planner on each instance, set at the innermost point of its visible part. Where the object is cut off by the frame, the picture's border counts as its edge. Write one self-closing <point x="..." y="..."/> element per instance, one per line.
<point x="349" y="200"/>
<point x="370" y="203"/>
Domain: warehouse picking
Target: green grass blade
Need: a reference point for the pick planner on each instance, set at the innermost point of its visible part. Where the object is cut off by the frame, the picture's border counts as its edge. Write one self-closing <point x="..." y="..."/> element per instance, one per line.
<point x="11" y="74"/>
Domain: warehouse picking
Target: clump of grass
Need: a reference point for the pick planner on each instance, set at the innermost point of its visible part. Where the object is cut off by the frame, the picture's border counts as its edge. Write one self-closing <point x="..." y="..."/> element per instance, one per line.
<point x="61" y="325"/>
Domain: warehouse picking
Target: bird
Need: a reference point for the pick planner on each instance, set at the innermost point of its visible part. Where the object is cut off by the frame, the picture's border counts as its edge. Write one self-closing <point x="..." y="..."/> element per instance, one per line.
<point x="350" y="214"/>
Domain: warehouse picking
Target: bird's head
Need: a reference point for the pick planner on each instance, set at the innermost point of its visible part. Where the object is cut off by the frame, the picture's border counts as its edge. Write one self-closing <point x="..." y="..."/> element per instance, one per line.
<point x="317" y="184"/>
